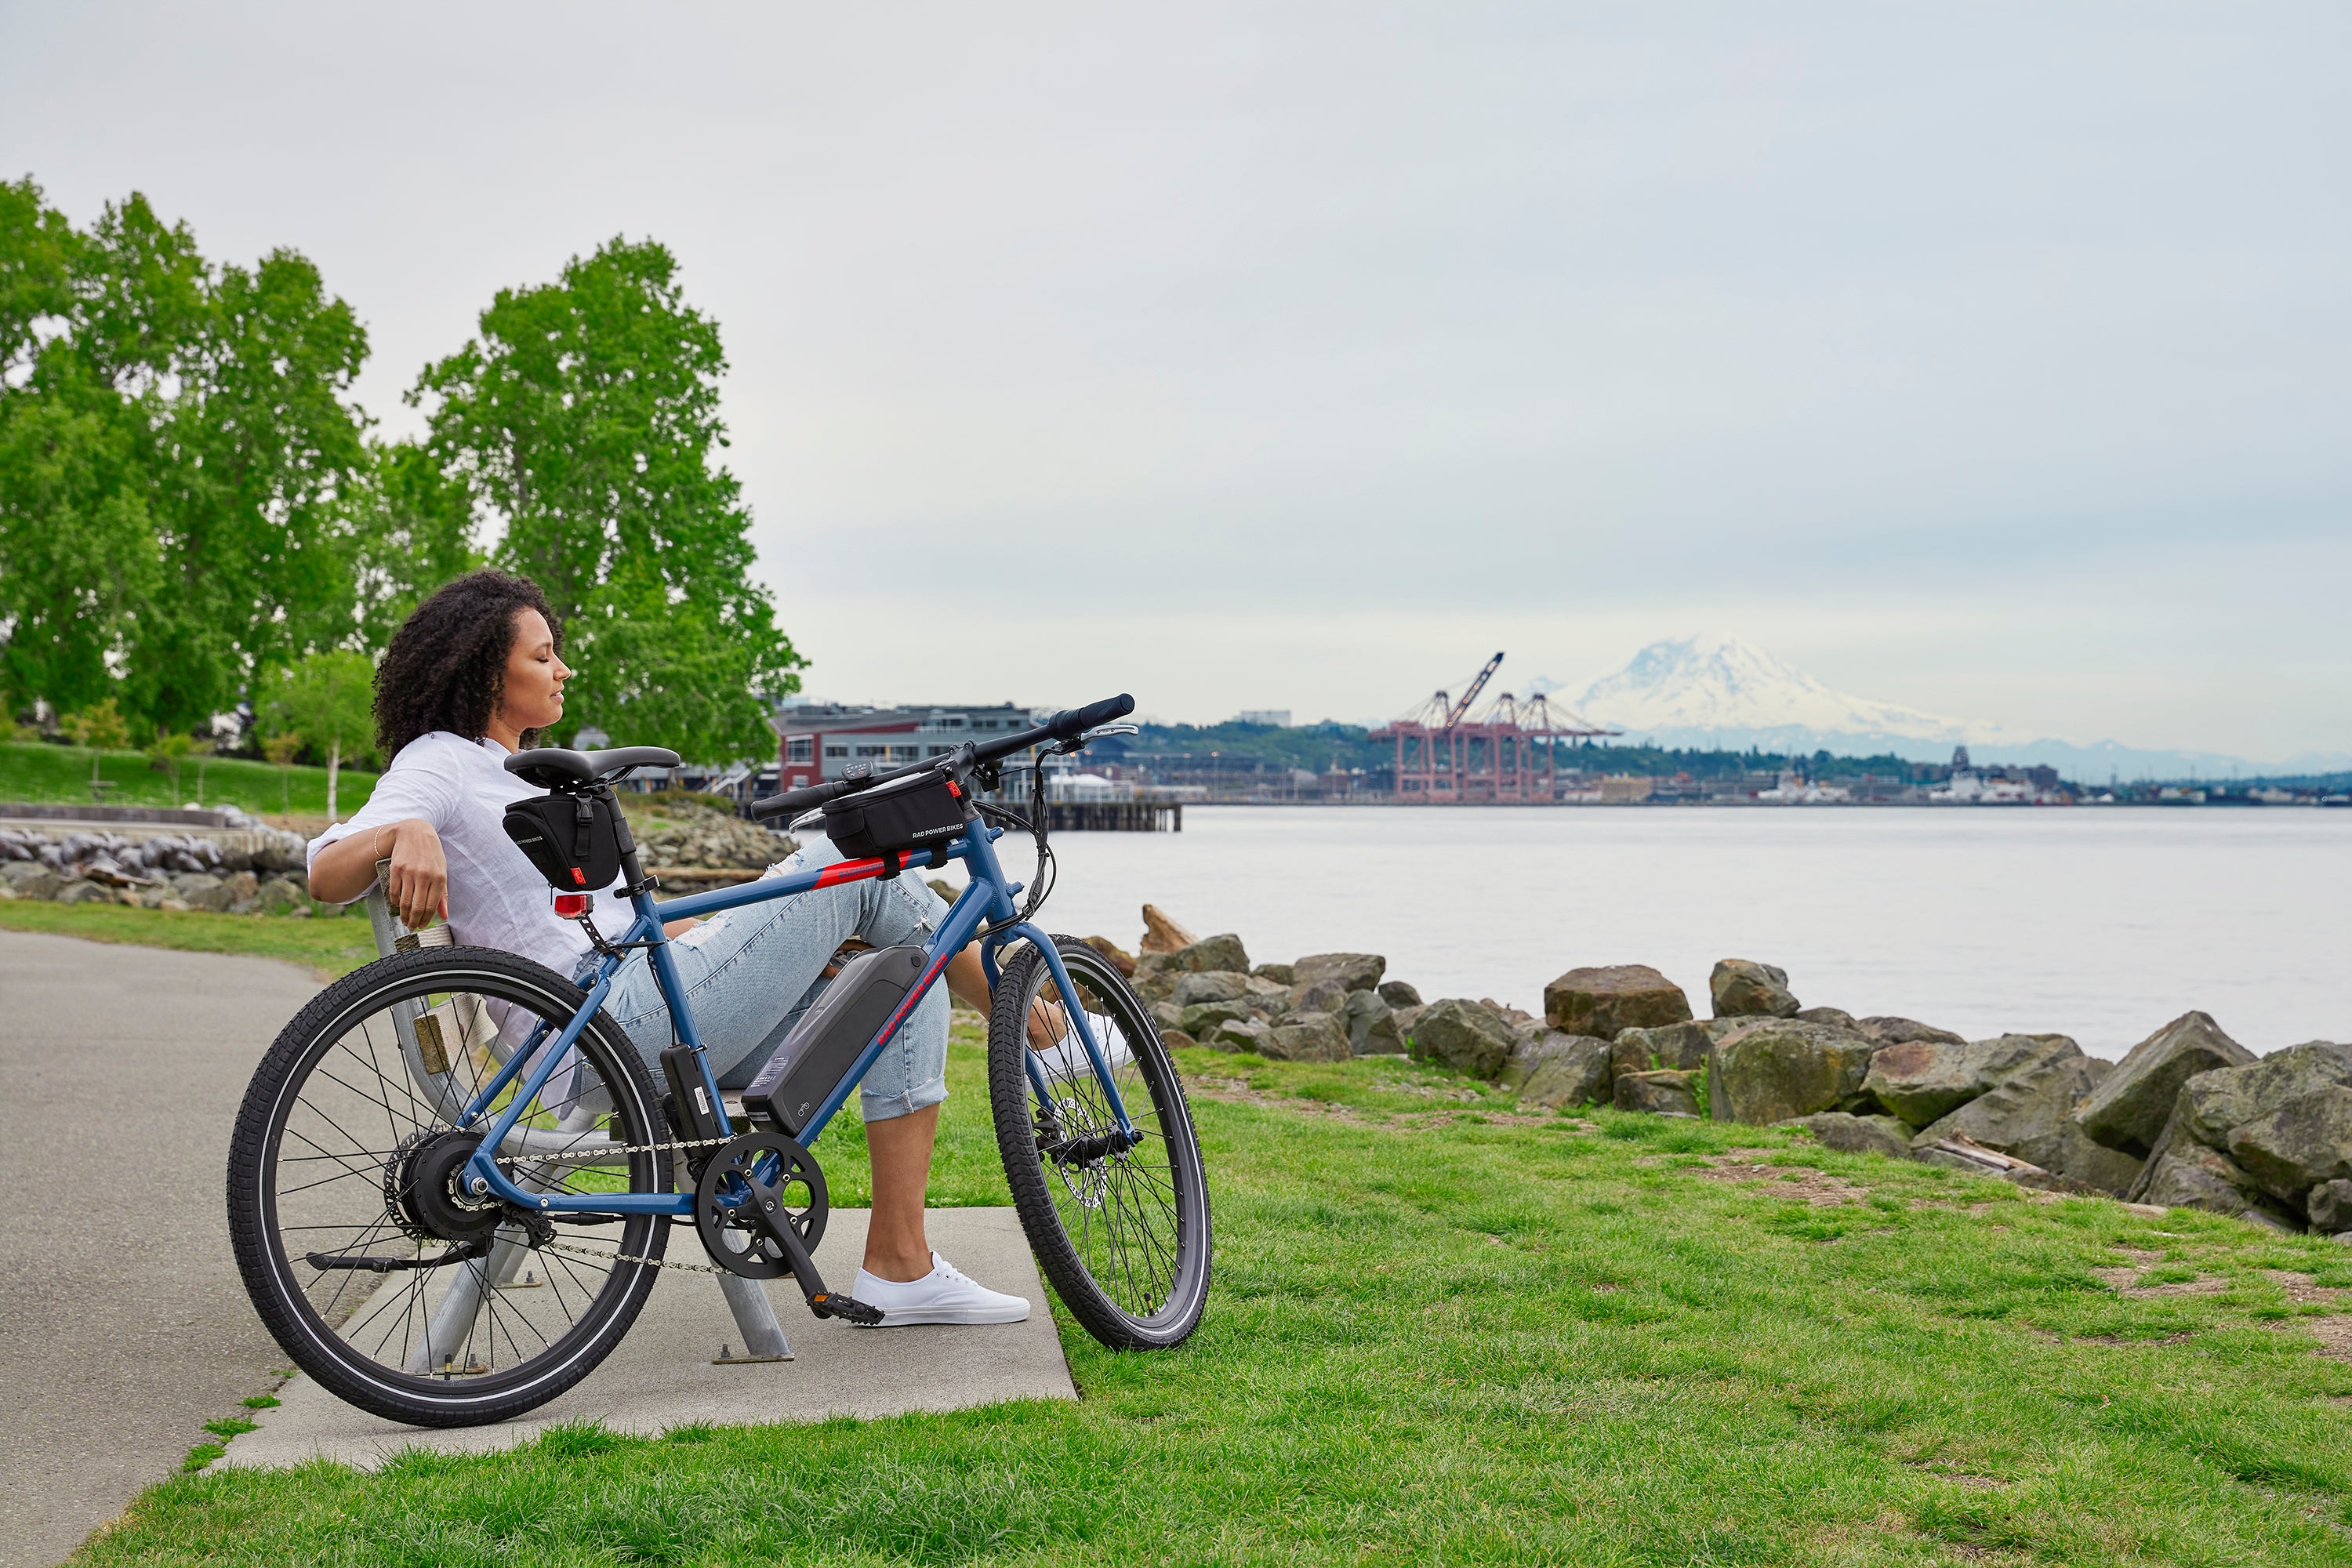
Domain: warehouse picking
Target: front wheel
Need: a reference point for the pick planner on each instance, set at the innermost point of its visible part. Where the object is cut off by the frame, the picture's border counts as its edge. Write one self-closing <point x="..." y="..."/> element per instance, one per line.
<point x="1121" y="1229"/>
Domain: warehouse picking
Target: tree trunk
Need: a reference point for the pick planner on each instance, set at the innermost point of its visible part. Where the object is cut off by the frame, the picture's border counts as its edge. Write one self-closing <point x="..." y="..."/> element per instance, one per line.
<point x="334" y="760"/>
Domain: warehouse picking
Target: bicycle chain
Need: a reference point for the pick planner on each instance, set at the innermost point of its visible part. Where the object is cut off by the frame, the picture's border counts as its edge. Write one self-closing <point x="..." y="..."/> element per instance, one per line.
<point x="629" y="1257"/>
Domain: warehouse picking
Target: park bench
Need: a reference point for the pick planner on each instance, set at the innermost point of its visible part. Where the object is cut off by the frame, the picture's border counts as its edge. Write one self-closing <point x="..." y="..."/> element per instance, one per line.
<point x="467" y="1022"/>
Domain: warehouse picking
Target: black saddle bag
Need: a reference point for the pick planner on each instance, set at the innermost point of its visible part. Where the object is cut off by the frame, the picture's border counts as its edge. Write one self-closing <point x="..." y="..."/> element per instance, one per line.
<point x="574" y="839"/>
<point x="912" y="813"/>
<point x="824" y="1044"/>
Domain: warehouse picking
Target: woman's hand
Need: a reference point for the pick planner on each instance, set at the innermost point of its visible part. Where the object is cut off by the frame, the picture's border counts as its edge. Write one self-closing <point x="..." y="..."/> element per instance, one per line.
<point x="418" y="883"/>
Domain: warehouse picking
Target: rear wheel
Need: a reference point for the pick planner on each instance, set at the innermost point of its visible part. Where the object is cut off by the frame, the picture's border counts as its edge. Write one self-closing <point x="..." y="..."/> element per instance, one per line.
<point x="1121" y="1230"/>
<point x="366" y="1256"/>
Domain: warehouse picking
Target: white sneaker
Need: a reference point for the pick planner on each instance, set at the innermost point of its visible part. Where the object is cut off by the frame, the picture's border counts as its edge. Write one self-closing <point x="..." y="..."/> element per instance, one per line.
<point x="945" y="1295"/>
<point x="1067" y="1059"/>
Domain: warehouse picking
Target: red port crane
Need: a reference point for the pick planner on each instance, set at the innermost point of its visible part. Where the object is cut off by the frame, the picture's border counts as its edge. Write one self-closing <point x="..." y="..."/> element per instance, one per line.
<point x="1445" y="758"/>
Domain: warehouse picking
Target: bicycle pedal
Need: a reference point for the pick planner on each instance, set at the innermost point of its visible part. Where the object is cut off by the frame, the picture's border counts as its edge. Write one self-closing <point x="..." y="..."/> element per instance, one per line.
<point x="831" y="1304"/>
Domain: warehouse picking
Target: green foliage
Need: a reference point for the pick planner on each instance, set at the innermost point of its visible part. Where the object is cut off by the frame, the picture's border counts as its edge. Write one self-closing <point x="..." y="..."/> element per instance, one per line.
<point x="176" y="459"/>
<point x="327" y="700"/>
<point x="100" y="726"/>
<point x="584" y="422"/>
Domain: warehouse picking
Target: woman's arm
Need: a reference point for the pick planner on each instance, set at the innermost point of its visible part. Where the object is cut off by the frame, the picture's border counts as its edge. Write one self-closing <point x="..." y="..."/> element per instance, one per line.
<point x="418" y="886"/>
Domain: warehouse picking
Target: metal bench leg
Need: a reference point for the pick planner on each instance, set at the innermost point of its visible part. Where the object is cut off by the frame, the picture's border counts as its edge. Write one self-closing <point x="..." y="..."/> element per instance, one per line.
<point x="755" y="1315"/>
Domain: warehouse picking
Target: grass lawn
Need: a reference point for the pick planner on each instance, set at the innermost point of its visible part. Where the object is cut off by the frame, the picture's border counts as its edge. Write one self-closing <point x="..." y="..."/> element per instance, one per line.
<point x="1444" y="1332"/>
<point x="37" y="771"/>
<point x="328" y="947"/>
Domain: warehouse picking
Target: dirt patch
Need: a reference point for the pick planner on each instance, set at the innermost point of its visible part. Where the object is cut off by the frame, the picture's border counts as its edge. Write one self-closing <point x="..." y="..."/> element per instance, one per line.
<point x="1237" y="1092"/>
<point x="2300" y="1288"/>
<point x="1794" y="1181"/>
<point x="2126" y="1343"/>
<point x="1959" y="1478"/>
<point x="2334" y="1334"/>
<point x="2127" y="1282"/>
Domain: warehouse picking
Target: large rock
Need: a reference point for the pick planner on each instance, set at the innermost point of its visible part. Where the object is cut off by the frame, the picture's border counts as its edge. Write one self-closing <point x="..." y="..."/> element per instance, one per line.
<point x="2130" y="1109"/>
<point x="2093" y="1163"/>
<point x="1223" y="952"/>
<point x="1740" y="988"/>
<point x="31" y="879"/>
<point x="1397" y="993"/>
<point x="1280" y="974"/>
<point x="1604" y="1000"/>
<point x="1201" y="1017"/>
<point x="1163" y="934"/>
<point x="1211" y="986"/>
<point x="1661" y="1093"/>
<point x="1120" y="959"/>
<point x="78" y="892"/>
<point x="1325" y="995"/>
<point x="279" y="893"/>
<point x="2022" y="1114"/>
<point x="1371" y="1024"/>
<point x="1555" y="1070"/>
<point x="1921" y="1080"/>
<point x="1465" y="1035"/>
<point x="2304" y="1142"/>
<point x="2330" y="1205"/>
<point x="1239" y="1035"/>
<point x="1353" y="971"/>
<point x="1835" y="1017"/>
<point x="1678" y="1046"/>
<point x="1306" y="1037"/>
<point x="1779" y="1069"/>
<point x="1852" y="1134"/>
<point x="2212" y="1103"/>
<point x="1894" y="1031"/>
<point x="2190" y="1175"/>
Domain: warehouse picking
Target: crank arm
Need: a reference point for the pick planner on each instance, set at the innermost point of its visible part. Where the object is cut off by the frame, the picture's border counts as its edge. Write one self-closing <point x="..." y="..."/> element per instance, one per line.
<point x="768" y="1212"/>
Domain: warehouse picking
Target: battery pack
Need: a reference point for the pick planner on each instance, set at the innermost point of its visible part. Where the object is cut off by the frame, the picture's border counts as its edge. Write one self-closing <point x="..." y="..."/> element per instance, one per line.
<point x="826" y="1042"/>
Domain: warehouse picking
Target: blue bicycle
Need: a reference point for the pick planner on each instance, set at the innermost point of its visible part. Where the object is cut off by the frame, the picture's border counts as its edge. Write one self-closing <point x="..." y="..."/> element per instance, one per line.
<point x="453" y="1177"/>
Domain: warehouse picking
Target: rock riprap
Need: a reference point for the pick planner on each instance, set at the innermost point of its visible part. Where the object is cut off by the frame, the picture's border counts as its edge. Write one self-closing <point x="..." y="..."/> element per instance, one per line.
<point x="2190" y="1117"/>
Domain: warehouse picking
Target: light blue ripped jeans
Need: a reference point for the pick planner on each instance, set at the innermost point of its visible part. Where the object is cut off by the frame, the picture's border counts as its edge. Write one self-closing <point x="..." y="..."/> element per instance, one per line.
<point x="749" y="972"/>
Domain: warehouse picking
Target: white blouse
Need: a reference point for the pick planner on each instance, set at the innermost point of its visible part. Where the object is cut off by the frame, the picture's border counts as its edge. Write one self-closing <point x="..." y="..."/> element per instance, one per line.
<point x="497" y="897"/>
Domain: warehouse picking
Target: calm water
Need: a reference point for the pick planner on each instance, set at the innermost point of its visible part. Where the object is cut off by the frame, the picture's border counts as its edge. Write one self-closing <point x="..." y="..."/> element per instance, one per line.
<point x="2099" y="924"/>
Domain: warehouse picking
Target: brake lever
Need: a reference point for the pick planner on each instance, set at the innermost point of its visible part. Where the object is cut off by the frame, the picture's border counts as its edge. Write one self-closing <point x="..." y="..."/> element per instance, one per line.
<point x="1101" y="731"/>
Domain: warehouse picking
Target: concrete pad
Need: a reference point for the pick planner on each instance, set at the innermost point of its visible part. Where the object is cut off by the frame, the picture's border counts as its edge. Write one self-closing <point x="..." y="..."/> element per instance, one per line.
<point x="661" y="1375"/>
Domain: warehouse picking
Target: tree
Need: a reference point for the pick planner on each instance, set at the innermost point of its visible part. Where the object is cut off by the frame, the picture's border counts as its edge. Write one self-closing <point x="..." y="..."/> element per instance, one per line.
<point x="325" y="700"/>
<point x="177" y="464"/>
<point x="100" y="727"/>
<point x="170" y="748"/>
<point x="280" y="750"/>
<point x="582" y="424"/>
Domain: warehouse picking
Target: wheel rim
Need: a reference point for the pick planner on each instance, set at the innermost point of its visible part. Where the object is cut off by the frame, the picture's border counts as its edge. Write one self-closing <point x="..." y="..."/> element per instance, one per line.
<point x="358" y="1165"/>
<point x="1123" y="1211"/>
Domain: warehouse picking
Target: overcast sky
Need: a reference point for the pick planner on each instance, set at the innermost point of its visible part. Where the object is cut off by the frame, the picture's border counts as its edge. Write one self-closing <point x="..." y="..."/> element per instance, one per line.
<point x="1991" y="359"/>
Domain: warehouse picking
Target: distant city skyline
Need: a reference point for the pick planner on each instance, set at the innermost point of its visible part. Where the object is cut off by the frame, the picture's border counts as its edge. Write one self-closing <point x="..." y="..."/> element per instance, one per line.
<point x="1986" y="361"/>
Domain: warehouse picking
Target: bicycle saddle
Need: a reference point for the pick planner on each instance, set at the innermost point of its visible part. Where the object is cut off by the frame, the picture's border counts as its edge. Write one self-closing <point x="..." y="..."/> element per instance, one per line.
<point x="550" y="766"/>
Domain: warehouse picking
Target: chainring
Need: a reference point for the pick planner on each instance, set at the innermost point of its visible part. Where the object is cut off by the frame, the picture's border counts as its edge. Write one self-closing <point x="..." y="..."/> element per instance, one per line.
<point x="729" y="1233"/>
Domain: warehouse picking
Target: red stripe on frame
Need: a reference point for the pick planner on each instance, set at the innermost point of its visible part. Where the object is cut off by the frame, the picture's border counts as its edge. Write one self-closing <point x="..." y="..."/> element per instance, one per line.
<point x="842" y="871"/>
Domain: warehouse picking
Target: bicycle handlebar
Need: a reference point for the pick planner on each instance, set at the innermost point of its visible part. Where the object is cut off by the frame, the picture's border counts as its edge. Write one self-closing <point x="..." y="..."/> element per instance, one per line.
<point x="1066" y="725"/>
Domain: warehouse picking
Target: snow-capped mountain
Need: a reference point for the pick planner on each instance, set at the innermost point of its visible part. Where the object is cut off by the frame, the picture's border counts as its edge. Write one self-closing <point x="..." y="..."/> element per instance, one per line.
<point x="1719" y="687"/>
<point x="1718" y="691"/>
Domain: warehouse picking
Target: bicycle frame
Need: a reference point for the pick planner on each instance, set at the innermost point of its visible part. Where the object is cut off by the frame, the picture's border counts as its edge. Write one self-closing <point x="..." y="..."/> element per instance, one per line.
<point x="988" y="899"/>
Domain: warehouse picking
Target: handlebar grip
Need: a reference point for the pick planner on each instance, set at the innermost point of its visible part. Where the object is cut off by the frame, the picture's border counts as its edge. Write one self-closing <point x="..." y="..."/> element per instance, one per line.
<point x="792" y="802"/>
<point x="1076" y="721"/>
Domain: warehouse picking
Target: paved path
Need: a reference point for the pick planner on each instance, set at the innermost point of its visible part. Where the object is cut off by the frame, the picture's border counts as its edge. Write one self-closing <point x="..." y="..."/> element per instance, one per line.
<point x="122" y="1325"/>
<point x="662" y="1374"/>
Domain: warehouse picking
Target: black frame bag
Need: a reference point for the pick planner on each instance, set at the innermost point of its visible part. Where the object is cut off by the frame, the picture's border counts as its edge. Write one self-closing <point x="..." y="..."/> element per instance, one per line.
<point x="911" y="813"/>
<point x="574" y="839"/>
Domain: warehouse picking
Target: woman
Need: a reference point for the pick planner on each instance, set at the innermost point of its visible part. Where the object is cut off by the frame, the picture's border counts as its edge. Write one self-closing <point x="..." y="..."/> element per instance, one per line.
<point x="476" y="674"/>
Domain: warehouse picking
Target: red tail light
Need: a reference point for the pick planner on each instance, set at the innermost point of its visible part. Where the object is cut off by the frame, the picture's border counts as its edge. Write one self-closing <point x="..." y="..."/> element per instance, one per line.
<point x="571" y="906"/>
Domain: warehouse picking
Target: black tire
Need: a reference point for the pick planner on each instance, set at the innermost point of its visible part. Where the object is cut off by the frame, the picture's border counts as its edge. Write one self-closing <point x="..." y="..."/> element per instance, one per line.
<point x="1123" y="1236"/>
<point x="341" y="1078"/>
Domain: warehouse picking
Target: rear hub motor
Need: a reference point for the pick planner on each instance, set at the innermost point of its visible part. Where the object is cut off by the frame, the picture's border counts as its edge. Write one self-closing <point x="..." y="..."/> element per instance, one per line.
<point x="424" y="1188"/>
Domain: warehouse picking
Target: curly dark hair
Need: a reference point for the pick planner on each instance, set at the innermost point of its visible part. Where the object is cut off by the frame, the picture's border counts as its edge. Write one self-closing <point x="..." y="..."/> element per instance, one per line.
<point x="449" y="660"/>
